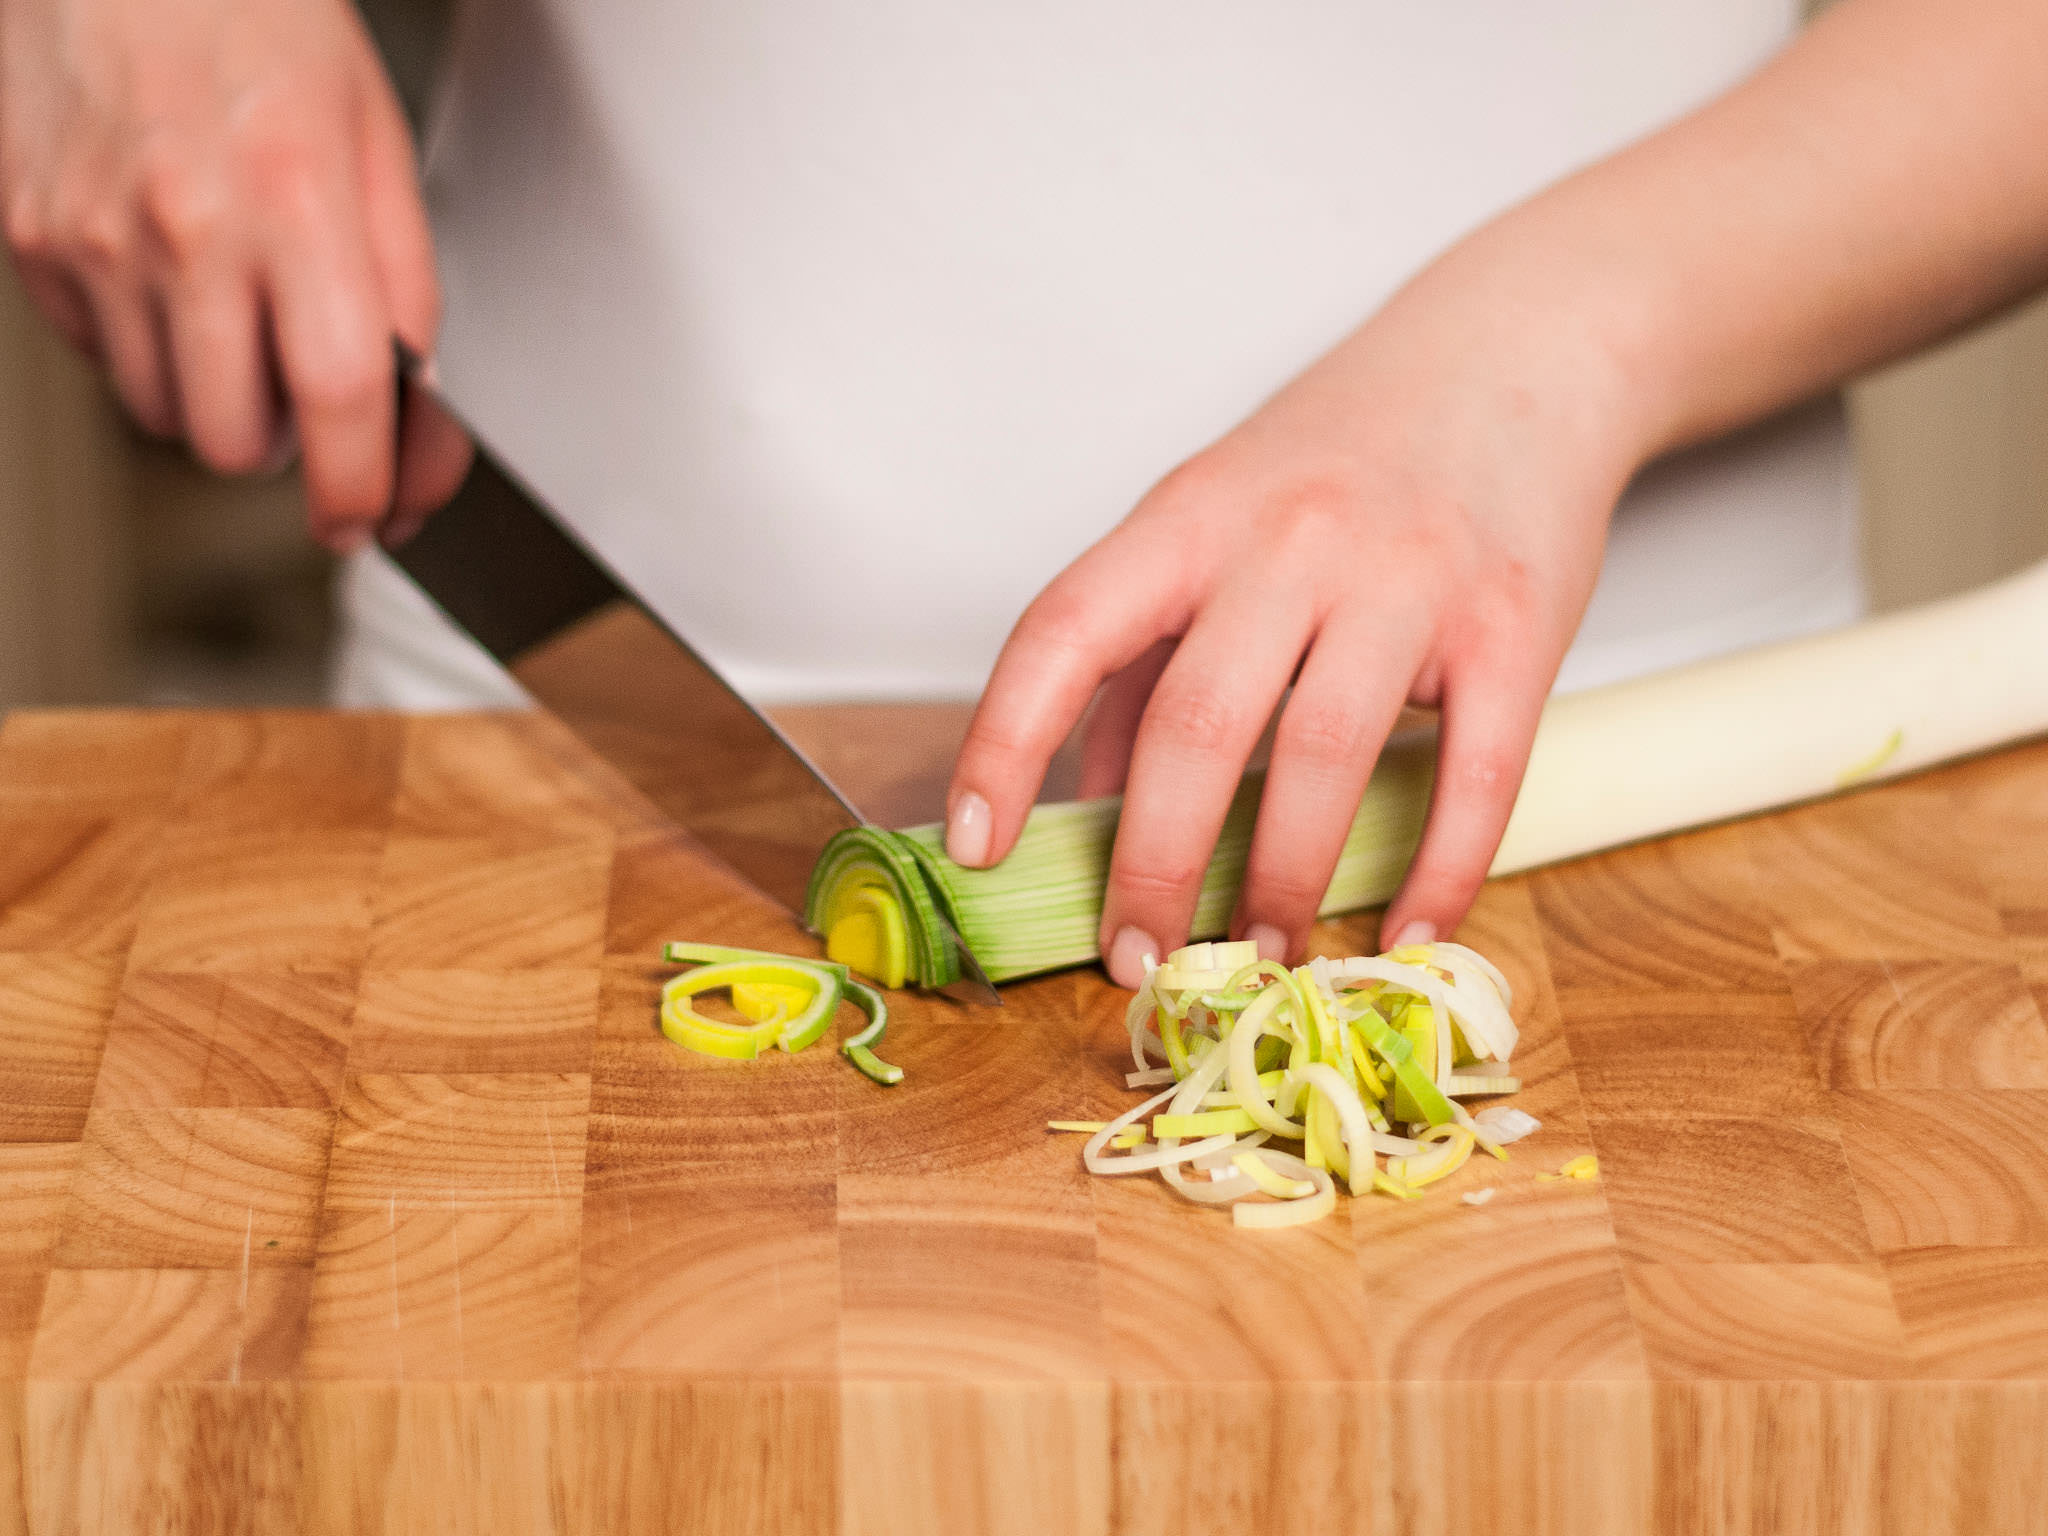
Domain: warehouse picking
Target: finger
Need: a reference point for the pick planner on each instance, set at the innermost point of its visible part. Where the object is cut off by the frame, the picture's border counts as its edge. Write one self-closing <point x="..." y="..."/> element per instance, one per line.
<point x="434" y="458"/>
<point x="1205" y="716"/>
<point x="130" y="329"/>
<point x="1112" y="728"/>
<point x="63" y="303"/>
<point x="333" y="340"/>
<point x="1490" y="711"/>
<point x="1096" y="618"/>
<point x="401" y="243"/>
<point x="1344" y="703"/>
<point x="434" y="451"/>
<point x="223" y="383"/>
<point x="40" y="260"/>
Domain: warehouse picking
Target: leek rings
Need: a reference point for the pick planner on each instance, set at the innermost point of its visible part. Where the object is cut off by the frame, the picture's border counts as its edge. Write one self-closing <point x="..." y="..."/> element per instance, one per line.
<point x="1330" y="1055"/>
<point x="787" y="1002"/>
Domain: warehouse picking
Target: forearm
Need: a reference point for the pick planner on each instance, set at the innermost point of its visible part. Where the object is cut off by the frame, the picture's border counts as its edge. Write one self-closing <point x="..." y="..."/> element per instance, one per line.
<point x="1881" y="183"/>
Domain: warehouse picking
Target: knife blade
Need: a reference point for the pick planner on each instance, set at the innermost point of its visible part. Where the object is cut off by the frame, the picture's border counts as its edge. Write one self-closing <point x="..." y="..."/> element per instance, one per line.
<point x="507" y="570"/>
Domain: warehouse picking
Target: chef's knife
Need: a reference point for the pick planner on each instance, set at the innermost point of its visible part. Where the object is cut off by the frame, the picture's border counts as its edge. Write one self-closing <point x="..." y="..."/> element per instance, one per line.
<point x="505" y="568"/>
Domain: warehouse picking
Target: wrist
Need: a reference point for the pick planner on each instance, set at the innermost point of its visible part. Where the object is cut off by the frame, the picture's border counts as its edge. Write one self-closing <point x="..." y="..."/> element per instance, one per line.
<point x="1505" y="367"/>
<point x="1569" y="334"/>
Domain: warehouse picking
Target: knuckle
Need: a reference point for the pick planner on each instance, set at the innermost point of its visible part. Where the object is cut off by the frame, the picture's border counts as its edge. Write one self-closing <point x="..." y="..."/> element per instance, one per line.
<point x="100" y="234"/>
<point x="183" y="207"/>
<point x="1195" y="482"/>
<point x="278" y="160"/>
<point x="1197" y="718"/>
<point x="1499" y="632"/>
<point x="348" y="378"/>
<point x="1155" y="875"/>
<point x="996" y="740"/>
<point x="1315" y="510"/>
<point x="1320" y="732"/>
<point x="1059" y="619"/>
<point x="1284" y="894"/>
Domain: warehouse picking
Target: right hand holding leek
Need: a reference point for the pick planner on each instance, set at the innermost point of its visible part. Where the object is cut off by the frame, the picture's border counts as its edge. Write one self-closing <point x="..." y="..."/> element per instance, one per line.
<point x="1419" y="515"/>
<point x="1417" y="518"/>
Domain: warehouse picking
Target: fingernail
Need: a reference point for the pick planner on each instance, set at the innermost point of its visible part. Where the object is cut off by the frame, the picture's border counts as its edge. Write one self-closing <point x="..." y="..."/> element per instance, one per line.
<point x="1127" y="956"/>
<point x="1415" y="933"/>
<point x="1271" y="941"/>
<point x="968" y="829"/>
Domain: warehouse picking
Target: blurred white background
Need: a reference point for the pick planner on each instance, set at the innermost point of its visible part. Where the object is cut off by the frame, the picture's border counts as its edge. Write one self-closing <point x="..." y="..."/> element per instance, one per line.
<point x="128" y="574"/>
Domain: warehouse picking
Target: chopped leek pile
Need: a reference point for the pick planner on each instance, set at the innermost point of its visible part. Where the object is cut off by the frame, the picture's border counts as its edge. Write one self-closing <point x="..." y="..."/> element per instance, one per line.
<point x="787" y="1002"/>
<point x="1355" y="1060"/>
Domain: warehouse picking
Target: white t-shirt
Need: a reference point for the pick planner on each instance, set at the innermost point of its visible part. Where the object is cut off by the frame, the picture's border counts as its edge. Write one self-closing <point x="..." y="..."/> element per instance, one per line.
<point x="840" y="328"/>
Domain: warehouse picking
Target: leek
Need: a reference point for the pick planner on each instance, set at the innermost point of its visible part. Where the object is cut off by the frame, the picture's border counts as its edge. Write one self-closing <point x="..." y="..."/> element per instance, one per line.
<point x="1585" y="1169"/>
<point x="860" y="1049"/>
<point x="1702" y="743"/>
<point x="1219" y="1109"/>
<point x="787" y="1001"/>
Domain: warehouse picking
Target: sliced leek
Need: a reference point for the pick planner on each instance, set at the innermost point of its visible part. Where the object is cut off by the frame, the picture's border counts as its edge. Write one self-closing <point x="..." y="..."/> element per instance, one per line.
<point x="873" y="898"/>
<point x="787" y="1001"/>
<point x="1213" y="1011"/>
<point x="860" y="1049"/>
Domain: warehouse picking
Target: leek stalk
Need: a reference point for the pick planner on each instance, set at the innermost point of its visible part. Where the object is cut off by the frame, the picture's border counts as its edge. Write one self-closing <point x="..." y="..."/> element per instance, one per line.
<point x="1697" y="744"/>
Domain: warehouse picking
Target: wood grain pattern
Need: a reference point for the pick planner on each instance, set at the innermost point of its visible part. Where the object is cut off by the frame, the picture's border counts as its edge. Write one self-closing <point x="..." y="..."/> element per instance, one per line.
<point x="346" y="1185"/>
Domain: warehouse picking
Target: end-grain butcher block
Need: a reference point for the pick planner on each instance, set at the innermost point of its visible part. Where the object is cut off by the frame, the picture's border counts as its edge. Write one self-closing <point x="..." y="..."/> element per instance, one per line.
<point x="348" y="1186"/>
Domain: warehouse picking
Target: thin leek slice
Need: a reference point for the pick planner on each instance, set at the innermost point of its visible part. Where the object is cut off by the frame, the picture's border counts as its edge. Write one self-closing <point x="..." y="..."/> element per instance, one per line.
<point x="1409" y="1076"/>
<point x="1473" y="1085"/>
<point x="1262" y="1173"/>
<point x="1207" y="1122"/>
<point x="1264" y="1052"/>
<point x="860" y="1049"/>
<point x="1290" y="1213"/>
<point x="714" y="1037"/>
<point x="1454" y="1144"/>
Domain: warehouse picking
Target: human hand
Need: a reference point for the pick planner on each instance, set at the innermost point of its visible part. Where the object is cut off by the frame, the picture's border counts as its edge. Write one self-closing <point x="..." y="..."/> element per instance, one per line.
<point x="217" y="199"/>
<point x="1417" y="518"/>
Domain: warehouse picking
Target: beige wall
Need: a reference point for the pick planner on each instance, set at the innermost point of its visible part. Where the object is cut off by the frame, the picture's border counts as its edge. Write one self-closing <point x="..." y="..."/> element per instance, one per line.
<point x="1953" y="447"/>
<point x="66" y="597"/>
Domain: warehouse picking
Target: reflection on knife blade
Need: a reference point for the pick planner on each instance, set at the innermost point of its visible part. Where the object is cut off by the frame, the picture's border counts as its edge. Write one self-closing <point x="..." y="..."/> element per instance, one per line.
<point x="505" y="569"/>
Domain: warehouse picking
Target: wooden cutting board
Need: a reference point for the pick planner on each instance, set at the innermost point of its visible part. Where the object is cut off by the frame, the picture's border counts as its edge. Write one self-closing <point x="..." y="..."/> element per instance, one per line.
<point x="347" y="1186"/>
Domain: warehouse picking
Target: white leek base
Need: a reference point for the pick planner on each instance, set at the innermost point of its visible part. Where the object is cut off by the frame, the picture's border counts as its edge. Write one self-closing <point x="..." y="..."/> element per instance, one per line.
<point x="1746" y="732"/>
